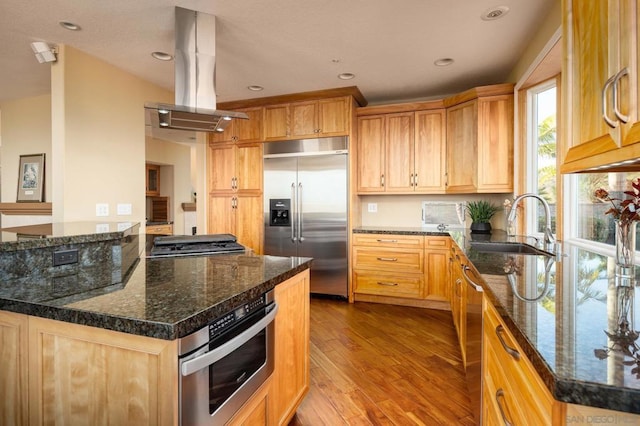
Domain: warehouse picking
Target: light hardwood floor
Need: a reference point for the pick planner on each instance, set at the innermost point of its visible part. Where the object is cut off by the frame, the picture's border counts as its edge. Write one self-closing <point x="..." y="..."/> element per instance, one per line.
<point x="374" y="364"/>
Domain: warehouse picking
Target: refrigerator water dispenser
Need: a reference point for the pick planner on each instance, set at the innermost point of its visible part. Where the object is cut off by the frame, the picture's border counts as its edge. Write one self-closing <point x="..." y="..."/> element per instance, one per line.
<point x="280" y="212"/>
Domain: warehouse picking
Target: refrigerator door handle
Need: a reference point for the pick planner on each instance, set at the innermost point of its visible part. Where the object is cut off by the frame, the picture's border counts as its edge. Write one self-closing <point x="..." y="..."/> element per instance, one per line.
<point x="299" y="211"/>
<point x="293" y="205"/>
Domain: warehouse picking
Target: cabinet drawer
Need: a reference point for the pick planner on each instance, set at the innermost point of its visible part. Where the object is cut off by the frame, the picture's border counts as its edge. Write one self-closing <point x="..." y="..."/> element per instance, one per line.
<point x="389" y="240"/>
<point x="159" y="229"/>
<point x="524" y="392"/>
<point x="436" y="243"/>
<point x="407" y="285"/>
<point x="405" y="260"/>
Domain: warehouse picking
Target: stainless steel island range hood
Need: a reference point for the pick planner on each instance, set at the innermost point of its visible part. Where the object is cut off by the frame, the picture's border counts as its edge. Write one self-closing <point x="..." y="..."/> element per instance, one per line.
<point x="195" y="97"/>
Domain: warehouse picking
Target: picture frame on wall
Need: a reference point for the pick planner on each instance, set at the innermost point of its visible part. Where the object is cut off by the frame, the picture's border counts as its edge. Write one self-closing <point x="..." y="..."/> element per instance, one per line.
<point x="31" y="178"/>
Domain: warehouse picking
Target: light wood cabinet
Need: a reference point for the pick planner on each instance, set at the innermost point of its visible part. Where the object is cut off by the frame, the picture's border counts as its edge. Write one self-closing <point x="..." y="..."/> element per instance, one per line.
<point x="388" y="265"/>
<point x="480" y="142"/>
<point x="401" y="269"/>
<point x="14" y="377"/>
<point x="235" y="168"/>
<point x="436" y="268"/>
<point x="239" y="215"/>
<point x="243" y="130"/>
<point x="401" y="152"/>
<point x="166" y="229"/>
<point x="458" y="297"/>
<point x="152" y="173"/>
<point x="430" y="151"/>
<point x="235" y="197"/>
<point x="86" y="375"/>
<point x="600" y="83"/>
<point x="290" y="379"/>
<point x="308" y="119"/>
<point x="512" y="391"/>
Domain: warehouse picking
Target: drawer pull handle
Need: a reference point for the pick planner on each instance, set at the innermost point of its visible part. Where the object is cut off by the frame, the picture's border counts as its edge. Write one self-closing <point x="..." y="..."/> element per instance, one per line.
<point x="514" y="353"/>
<point x="388" y="284"/>
<point x="387" y="241"/>
<point x="388" y="259"/>
<point x="499" y="398"/>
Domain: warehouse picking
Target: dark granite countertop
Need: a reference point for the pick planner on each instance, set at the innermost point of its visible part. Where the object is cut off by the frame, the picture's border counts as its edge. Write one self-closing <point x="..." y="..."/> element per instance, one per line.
<point x="567" y="305"/>
<point x="164" y="298"/>
<point x="57" y="234"/>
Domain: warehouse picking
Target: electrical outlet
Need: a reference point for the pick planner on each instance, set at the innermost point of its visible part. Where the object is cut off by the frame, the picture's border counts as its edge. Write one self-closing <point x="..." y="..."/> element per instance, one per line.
<point x="65" y="257"/>
<point x="123" y="209"/>
<point x="102" y="209"/>
<point x="372" y="207"/>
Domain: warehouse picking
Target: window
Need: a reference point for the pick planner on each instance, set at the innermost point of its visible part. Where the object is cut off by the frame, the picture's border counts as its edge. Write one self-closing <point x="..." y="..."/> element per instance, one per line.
<point x="592" y="223"/>
<point x="541" y="152"/>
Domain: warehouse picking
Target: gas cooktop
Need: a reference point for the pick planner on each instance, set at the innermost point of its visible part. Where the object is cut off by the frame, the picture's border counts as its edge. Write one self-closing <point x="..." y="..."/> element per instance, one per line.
<point x="185" y="245"/>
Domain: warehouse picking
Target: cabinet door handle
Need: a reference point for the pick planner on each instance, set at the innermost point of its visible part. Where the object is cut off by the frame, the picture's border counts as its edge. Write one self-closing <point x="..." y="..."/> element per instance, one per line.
<point x="605" y="106"/>
<point x="388" y="284"/>
<point x="476" y="287"/>
<point x="388" y="259"/>
<point x="458" y="288"/>
<point x="622" y="117"/>
<point x="511" y="351"/>
<point x="382" y="180"/>
<point x="499" y="398"/>
<point x="415" y="179"/>
<point x="387" y="241"/>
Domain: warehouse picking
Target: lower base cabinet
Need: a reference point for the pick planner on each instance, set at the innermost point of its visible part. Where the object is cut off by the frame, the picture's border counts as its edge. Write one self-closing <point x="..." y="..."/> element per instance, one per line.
<point x="276" y="402"/>
<point x="512" y="391"/>
<point x="401" y="269"/>
<point x="62" y="373"/>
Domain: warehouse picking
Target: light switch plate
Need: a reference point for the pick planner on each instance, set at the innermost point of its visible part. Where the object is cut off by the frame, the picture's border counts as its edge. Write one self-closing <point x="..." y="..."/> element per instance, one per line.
<point x="123" y="209"/>
<point x="372" y="207"/>
<point x="102" y="209"/>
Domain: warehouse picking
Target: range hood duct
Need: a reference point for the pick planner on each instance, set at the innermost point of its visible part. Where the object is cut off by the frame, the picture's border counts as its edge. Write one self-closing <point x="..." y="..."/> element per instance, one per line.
<point x="195" y="96"/>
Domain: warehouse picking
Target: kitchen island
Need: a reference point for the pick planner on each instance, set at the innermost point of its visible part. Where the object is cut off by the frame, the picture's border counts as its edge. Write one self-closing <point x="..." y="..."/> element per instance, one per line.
<point x="566" y="315"/>
<point x="107" y="352"/>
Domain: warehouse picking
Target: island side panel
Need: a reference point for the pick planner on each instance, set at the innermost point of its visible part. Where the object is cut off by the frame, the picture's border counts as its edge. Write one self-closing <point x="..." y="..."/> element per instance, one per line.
<point x="290" y="379"/>
<point x="14" y="409"/>
<point x="87" y="375"/>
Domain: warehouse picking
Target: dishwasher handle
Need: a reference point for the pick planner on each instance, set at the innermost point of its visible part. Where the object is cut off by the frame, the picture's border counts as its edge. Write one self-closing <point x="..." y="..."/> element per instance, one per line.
<point x="197" y="364"/>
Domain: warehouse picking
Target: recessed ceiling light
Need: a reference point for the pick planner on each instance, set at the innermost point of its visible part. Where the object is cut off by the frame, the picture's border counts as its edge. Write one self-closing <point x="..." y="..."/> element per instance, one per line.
<point x="443" y="62"/>
<point x="255" y="88"/>
<point x="69" y="26"/>
<point x="346" y="76"/>
<point x="494" y="13"/>
<point x="162" y="56"/>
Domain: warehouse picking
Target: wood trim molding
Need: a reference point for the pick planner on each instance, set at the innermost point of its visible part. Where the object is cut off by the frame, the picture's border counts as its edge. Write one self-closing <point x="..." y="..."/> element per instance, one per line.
<point x="401" y="107"/>
<point x="26" y="209"/>
<point x="477" y="92"/>
<point x="352" y="91"/>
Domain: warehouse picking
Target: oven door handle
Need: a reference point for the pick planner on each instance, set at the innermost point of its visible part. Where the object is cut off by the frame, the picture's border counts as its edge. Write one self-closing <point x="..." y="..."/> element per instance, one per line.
<point x="197" y="364"/>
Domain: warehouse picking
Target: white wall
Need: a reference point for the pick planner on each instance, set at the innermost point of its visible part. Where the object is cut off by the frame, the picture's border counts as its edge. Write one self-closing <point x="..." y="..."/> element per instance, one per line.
<point x="98" y="137"/>
<point x="26" y="129"/>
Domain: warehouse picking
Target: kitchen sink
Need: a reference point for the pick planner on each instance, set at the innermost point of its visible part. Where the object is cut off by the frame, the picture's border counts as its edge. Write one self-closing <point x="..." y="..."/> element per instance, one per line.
<point x="508" y="248"/>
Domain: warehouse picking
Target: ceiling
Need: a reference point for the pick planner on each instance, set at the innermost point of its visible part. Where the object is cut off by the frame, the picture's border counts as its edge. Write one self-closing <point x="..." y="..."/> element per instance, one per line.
<point x="286" y="46"/>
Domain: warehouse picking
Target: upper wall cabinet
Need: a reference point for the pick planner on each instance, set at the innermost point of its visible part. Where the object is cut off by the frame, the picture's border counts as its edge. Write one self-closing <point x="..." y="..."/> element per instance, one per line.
<point x="424" y="148"/>
<point x="307" y="119"/>
<point x="401" y="152"/>
<point x="600" y="85"/>
<point x="480" y="140"/>
<point x="152" y="180"/>
<point x="243" y="130"/>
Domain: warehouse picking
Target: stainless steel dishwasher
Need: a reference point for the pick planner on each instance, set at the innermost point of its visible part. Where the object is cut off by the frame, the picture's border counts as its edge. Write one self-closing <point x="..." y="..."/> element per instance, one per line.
<point x="473" y="326"/>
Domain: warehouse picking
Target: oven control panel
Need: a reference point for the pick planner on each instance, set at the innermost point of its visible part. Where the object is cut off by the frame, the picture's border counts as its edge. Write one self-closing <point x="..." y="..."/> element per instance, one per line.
<point x="232" y="318"/>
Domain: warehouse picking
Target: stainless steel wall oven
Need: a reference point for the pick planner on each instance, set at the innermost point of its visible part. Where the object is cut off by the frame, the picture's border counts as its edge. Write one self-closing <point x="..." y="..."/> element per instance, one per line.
<point x="224" y="363"/>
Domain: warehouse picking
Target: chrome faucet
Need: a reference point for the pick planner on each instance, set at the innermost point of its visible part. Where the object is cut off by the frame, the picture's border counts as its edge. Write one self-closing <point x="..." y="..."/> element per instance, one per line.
<point x="549" y="239"/>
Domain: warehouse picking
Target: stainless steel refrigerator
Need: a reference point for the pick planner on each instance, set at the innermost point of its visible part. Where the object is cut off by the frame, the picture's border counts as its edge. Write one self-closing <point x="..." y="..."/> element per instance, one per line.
<point x="305" y="207"/>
